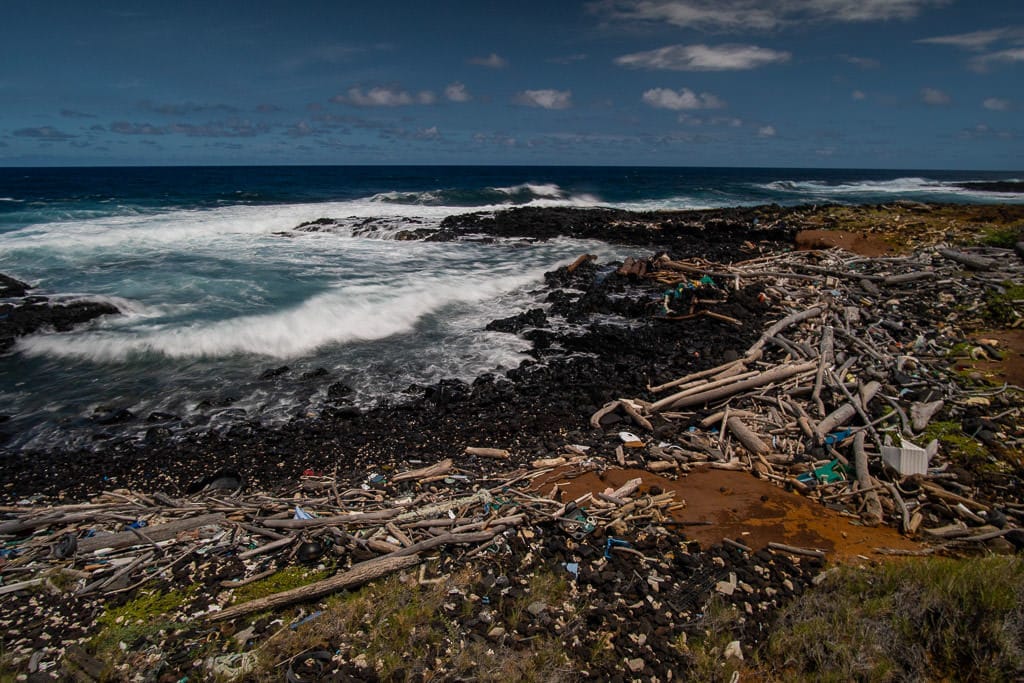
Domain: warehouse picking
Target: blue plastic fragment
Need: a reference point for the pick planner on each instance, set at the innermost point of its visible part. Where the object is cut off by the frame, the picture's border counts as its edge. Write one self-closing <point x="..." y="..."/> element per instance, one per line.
<point x="306" y="619"/>
<point x="612" y="543"/>
<point x="302" y="514"/>
<point x="137" y="524"/>
<point x="836" y="437"/>
<point x="573" y="568"/>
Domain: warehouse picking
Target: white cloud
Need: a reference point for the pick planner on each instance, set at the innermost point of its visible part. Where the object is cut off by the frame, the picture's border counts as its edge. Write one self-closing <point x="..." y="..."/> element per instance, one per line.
<point x="766" y="132"/>
<point x="545" y="99"/>
<point x="934" y="96"/>
<point x="979" y="40"/>
<point x="863" y="62"/>
<point x="682" y="100"/>
<point x="996" y="104"/>
<point x="491" y="61"/>
<point x="743" y="15"/>
<point x="384" y="96"/>
<point x="456" y="92"/>
<point x="982" y="62"/>
<point x="704" y="58"/>
<point x="858" y="95"/>
<point x="1008" y="39"/>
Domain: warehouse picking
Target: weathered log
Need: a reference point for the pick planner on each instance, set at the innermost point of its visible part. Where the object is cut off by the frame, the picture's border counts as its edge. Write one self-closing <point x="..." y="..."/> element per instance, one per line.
<point x="627" y="489"/>
<point x="442" y="467"/>
<point x="497" y="453"/>
<point x="845" y="412"/>
<point x="356" y="576"/>
<point x="951" y="497"/>
<point x="794" y="550"/>
<point x="972" y="261"/>
<point x="268" y="547"/>
<point x="156" y="533"/>
<point x="607" y="408"/>
<point x="872" y="505"/>
<point x="671" y="400"/>
<point x="638" y="419"/>
<point x="547" y="462"/>
<point x="776" y="374"/>
<point x="905" y="278"/>
<point x="710" y="372"/>
<point x="905" y="526"/>
<point x="755" y="351"/>
<point x="826" y="358"/>
<point x="747" y="436"/>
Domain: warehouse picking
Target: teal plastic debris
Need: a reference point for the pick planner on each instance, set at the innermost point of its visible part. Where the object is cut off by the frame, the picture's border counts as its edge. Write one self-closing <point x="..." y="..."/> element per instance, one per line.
<point x="826" y="474"/>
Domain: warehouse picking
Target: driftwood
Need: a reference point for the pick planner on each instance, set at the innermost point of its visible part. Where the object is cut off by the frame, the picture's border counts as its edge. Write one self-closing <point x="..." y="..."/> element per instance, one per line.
<point x="970" y="260"/>
<point x="776" y="374"/>
<point x="746" y="436"/>
<point x="606" y="409"/>
<point x="440" y="468"/>
<point x="157" y="533"/>
<point x="873" y="515"/>
<point x="794" y="550"/>
<point x="755" y="351"/>
<point x="356" y="576"/>
<point x="497" y="453"/>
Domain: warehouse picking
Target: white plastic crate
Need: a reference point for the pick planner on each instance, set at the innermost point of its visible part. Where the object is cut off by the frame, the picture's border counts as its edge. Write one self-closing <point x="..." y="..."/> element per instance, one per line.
<point x="906" y="459"/>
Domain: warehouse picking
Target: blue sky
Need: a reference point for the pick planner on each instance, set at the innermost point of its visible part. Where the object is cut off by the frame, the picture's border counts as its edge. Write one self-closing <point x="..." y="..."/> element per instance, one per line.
<point x="789" y="83"/>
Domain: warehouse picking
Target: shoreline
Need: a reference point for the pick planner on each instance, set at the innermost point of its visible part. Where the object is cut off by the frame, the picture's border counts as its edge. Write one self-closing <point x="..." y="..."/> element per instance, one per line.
<point x="765" y="307"/>
<point x="453" y="411"/>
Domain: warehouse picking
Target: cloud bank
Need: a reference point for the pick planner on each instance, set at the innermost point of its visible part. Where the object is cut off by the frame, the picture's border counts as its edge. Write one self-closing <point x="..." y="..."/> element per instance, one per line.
<point x="682" y="100"/>
<point x="545" y="99"/>
<point x="704" y="58"/>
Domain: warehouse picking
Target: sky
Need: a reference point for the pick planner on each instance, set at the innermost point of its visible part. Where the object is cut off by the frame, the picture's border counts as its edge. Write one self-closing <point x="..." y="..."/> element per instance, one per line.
<point x="907" y="84"/>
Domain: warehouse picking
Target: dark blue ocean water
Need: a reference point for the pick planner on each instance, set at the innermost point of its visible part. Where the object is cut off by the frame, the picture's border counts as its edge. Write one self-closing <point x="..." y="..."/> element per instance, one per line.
<point x="212" y="295"/>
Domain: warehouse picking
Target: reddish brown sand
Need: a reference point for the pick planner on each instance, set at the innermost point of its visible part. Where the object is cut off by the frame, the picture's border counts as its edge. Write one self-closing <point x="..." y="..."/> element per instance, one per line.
<point x="865" y="244"/>
<point x="1011" y="368"/>
<point x="744" y="508"/>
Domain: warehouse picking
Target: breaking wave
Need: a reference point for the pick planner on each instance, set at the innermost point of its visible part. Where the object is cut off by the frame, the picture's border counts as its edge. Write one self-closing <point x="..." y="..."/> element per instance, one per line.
<point x="346" y="314"/>
<point x="920" y="188"/>
<point x="533" y="194"/>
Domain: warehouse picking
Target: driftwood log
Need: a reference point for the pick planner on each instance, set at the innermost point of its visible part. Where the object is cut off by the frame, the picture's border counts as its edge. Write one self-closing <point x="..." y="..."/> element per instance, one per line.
<point x="356" y="576"/>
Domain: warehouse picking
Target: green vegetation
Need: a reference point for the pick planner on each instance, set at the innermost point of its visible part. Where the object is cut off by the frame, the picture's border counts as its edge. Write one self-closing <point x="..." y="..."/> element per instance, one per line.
<point x="1004" y="237"/>
<point x="283" y="580"/>
<point x="955" y="443"/>
<point x="706" y="651"/>
<point x="933" y="619"/>
<point x="1000" y="307"/>
<point x="141" y="618"/>
<point x="402" y="630"/>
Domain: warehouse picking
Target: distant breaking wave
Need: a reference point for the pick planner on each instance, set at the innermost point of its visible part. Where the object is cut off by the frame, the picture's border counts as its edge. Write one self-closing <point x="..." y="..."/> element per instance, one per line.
<point x="545" y="194"/>
<point x="920" y="188"/>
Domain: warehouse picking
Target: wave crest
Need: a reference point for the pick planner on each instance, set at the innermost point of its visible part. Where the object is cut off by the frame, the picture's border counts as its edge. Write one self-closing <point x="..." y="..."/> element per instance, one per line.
<point x="349" y="314"/>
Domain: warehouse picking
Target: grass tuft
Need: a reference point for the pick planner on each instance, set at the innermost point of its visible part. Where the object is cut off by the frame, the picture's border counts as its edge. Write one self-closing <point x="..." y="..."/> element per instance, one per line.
<point x="935" y="619"/>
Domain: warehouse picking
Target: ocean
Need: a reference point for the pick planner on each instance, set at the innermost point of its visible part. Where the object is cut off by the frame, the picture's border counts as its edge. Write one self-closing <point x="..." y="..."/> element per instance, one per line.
<point x="216" y="290"/>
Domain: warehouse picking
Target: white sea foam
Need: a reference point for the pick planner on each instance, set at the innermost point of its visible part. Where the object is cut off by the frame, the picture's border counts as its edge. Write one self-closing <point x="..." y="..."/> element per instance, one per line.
<point x="896" y="186"/>
<point x="346" y="314"/>
<point x="550" y="190"/>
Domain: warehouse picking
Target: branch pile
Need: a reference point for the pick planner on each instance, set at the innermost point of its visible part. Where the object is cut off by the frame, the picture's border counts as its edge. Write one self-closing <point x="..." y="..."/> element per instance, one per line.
<point x="858" y="362"/>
